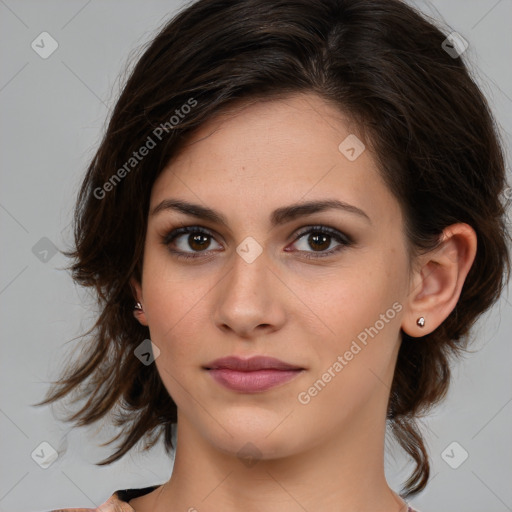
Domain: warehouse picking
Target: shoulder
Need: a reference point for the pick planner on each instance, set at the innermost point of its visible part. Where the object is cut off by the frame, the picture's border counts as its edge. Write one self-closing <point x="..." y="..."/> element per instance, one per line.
<point x="113" y="504"/>
<point x="118" y="502"/>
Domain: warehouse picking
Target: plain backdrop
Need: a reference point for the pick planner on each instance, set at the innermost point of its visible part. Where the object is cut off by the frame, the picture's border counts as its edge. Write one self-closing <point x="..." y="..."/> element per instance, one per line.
<point x="53" y="113"/>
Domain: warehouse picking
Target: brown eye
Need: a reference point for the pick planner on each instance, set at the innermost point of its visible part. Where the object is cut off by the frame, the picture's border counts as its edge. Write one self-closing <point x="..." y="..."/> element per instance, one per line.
<point x="198" y="241"/>
<point x="320" y="239"/>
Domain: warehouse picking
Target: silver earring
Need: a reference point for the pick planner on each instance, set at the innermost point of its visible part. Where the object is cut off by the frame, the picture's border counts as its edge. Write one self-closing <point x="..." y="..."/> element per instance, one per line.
<point x="420" y="321"/>
<point x="138" y="306"/>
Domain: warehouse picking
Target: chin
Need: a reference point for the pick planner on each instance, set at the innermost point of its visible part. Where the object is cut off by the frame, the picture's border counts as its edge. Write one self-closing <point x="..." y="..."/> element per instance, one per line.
<point x="257" y="435"/>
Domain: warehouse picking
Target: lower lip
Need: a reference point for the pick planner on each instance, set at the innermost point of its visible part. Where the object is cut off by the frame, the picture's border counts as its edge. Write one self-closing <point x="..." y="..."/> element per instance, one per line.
<point x="254" y="381"/>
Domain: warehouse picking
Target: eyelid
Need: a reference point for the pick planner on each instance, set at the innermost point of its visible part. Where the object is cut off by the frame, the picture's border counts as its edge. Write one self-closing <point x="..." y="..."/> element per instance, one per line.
<point x="344" y="241"/>
<point x="342" y="238"/>
<point x="172" y="234"/>
<point x="293" y="237"/>
<point x="323" y="228"/>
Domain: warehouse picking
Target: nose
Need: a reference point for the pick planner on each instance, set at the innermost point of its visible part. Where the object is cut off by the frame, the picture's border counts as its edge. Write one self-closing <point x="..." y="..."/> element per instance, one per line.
<point x="250" y="299"/>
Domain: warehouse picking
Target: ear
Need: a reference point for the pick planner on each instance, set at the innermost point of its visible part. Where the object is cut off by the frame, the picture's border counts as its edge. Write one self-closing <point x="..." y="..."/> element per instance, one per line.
<point x="437" y="283"/>
<point x="140" y="315"/>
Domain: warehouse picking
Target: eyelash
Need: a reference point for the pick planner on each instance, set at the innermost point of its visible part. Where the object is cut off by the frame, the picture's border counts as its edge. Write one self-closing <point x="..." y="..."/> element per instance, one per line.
<point x="343" y="239"/>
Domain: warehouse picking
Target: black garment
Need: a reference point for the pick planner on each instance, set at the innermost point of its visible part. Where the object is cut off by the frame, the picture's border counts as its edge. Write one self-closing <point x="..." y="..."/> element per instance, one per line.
<point x="130" y="494"/>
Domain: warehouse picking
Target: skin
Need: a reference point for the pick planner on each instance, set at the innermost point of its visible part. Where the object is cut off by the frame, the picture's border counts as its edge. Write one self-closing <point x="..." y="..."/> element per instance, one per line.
<point x="327" y="454"/>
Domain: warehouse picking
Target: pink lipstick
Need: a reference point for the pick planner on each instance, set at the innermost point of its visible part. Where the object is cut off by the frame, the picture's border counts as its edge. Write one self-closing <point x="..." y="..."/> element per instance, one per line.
<point x="252" y="375"/>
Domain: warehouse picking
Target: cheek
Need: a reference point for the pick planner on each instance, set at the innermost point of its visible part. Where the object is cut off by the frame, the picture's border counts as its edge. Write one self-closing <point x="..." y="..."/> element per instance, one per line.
<point x="179" y="323"/>
<point x="362" y="309"/>
<point x="354" y="367"/>
<point x="357" y="297"/>
<point x="173" y="296"/>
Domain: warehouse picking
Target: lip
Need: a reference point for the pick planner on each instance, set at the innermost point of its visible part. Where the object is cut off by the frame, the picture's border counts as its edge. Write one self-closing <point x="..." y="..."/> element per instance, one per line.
<point x="251" y="364"/>
<point x="256" y="374"/>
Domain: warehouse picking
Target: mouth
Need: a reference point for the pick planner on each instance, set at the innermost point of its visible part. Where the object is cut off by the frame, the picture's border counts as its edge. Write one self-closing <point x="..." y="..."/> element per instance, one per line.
<point x="252" y="375"/>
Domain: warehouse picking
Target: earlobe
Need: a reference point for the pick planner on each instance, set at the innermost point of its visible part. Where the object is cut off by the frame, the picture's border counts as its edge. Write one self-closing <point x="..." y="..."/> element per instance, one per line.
<point x="138" y="308"/>
<point x="438" y="282"/>
<point x="138" y="313"/>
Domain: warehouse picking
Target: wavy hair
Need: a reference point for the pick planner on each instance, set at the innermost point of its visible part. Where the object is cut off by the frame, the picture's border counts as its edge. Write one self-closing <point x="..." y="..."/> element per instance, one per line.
<point x="380" y="62"/>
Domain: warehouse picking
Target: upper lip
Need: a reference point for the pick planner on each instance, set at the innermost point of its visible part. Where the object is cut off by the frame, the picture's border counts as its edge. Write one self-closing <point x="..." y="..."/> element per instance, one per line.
<point x="251" y="364"/>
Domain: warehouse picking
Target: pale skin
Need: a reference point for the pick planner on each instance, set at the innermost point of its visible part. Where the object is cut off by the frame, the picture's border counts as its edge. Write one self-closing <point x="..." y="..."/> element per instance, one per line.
<point x="327" y="454"/>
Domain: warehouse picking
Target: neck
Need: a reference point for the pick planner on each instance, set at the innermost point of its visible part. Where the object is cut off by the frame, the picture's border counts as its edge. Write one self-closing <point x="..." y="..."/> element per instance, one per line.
<point x="341" y="472"/>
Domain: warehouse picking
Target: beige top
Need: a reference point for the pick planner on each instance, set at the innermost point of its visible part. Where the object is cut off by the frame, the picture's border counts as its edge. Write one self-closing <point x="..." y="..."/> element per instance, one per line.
<point x="118" y="502"/>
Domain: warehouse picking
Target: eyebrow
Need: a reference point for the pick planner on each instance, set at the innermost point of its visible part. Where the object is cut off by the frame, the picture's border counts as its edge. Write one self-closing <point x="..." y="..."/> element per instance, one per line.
<point x="279" y="216"/>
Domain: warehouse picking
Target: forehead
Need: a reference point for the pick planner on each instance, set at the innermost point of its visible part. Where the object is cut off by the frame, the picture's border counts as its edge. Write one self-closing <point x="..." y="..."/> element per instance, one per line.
<point x="276" y="152"/>
<point x="277" y="130"/>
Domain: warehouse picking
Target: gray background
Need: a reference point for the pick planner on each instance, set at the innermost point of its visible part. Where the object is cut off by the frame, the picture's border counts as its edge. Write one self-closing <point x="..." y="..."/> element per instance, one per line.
<point x="53" y="112"/>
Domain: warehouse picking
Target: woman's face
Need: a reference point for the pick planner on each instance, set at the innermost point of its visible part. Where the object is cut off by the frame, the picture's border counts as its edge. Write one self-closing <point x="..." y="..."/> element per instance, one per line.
<point x="267" y="282"/>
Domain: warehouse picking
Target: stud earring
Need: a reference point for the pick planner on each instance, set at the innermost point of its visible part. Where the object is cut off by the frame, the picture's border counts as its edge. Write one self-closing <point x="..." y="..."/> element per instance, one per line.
<point x="420" y="321"/>
<point x="138" y="306"/>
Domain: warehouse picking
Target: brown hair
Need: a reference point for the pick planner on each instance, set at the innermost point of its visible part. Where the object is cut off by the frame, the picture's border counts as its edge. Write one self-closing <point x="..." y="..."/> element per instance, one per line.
<point x="378" y="61"/>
